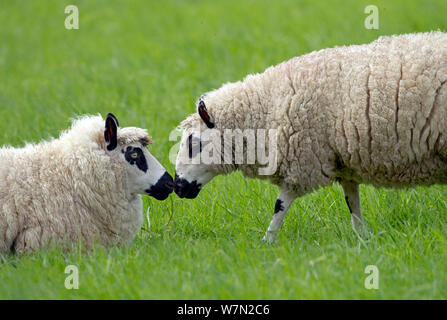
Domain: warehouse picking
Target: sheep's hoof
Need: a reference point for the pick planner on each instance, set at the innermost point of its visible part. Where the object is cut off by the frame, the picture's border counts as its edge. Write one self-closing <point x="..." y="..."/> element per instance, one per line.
<point x="362" y="232"/>
<point x="269" y="238"/>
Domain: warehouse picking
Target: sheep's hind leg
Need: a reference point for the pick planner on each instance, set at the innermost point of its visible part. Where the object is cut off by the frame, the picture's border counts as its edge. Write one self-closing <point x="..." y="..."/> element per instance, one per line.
<point x="352" y="197"/>
<point x="282" y="205"/>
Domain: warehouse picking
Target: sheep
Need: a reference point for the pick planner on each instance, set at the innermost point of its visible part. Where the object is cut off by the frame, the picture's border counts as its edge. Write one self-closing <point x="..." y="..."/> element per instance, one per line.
<point x="83" y="187"/>
<point x="362" y="114"/>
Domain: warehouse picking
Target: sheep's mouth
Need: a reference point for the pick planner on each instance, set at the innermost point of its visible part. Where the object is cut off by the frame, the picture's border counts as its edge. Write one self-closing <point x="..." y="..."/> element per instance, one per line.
<point x="185" y="189"/>
<point x="163" y="188"/>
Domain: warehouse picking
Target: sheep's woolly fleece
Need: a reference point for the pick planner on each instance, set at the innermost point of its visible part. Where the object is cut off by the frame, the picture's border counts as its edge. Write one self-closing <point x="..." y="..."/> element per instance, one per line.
<point x="373" y="113"/>
<point x="67" y="190"/>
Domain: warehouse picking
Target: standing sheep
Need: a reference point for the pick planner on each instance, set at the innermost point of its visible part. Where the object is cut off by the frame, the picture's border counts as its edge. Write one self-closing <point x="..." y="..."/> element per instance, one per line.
<point x="84" y="186"/>
<point x="373" y="114"/>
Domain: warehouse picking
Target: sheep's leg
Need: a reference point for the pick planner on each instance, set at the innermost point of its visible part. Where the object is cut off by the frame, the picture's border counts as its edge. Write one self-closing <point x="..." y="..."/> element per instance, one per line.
<point x="282" y="205"/>
<point x="352" y="197"/>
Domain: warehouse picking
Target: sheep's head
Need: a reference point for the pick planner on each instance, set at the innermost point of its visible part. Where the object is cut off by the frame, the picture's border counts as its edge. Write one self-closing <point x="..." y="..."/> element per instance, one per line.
<point x="199" y="158"/>
<point x="144" y="174"/>
<point x="220" y="138"/>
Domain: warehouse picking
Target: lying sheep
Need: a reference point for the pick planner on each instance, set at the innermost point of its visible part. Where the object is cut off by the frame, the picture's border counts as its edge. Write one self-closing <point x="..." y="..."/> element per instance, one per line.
<point x="84" y="186"/>
<point x="373" y="114"/>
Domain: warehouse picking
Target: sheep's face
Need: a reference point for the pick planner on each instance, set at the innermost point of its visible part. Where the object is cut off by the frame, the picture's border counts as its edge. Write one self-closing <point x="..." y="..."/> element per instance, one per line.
<point x="143" y="173"/>
<point x="199" y="157"/>
<point x="191" y="173"/>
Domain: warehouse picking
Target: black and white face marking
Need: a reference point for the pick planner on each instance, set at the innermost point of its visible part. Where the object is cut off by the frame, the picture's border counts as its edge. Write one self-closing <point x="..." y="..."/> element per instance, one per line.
<point x="146" y="174"/>
<point x="194" y="146"/>
<point x="182" y="187"/>
<point x="185" y="189"/>
<point x="143" y="173"/>
<point x="191" y="176"/>
<point x="135" y="155"/>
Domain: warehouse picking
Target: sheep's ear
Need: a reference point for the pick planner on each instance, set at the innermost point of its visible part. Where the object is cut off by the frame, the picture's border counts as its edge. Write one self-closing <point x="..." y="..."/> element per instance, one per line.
<point x="111" y="132"/>
<point x="201" y="109"/>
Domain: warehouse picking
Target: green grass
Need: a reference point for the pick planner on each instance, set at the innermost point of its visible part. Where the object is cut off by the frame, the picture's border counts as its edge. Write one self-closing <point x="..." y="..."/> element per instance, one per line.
<point x="147" y="62"/>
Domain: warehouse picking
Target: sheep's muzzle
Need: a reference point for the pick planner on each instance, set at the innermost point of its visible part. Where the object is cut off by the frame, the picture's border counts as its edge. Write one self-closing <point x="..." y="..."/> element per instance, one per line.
<point x="185" y="189"/>
<point x="163" y="188"/>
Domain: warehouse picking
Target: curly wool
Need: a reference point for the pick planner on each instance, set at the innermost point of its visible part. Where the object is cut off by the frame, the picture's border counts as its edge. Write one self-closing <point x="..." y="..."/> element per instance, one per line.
<point x="373" y="113"/>
<point x="67" y="190"/>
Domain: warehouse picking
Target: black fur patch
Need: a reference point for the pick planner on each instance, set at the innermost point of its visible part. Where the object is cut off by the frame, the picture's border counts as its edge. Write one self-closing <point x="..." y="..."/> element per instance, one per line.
<point x="193" y="150"/>
<point x="347" y="202"/>
<point x="278" y="205"/>
<point x="205" y="115"/>
<point x="139" y="160"/>
<point x="110" y="132"/>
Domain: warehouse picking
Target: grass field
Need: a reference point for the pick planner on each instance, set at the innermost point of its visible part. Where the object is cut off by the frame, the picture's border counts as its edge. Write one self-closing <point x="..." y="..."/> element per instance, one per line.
<point x="147" y="62"/>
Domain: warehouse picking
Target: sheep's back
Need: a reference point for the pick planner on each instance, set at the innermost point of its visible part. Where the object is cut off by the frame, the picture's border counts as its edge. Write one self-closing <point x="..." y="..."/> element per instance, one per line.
<point x="389" y="110"/>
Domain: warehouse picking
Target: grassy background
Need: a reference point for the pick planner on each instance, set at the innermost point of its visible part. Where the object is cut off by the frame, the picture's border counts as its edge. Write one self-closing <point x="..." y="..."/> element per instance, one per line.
<point x="147" y="62"/>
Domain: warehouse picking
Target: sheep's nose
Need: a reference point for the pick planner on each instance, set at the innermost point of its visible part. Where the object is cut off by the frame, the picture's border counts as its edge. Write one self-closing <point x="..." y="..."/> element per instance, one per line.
<point x="185" y="189"/>
<point x="167" y="181"/>
<point x="162" y="188"/>
<point x="170" y="183"/>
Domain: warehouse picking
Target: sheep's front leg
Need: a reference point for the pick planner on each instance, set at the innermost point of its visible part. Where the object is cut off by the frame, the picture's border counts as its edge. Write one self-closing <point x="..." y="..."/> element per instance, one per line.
<point x="282" y="204"/>
<point x="352" y="197"/>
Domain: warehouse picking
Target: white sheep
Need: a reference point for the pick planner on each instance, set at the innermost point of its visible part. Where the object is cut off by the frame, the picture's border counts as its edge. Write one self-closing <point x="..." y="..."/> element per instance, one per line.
<point x="373" y="114"/>
<point x="84" y="187"/>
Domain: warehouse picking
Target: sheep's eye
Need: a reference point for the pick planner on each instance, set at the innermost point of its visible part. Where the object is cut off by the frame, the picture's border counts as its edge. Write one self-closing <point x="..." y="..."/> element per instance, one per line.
<point x="194" y="146"/>
<point x="135" y="156"/>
